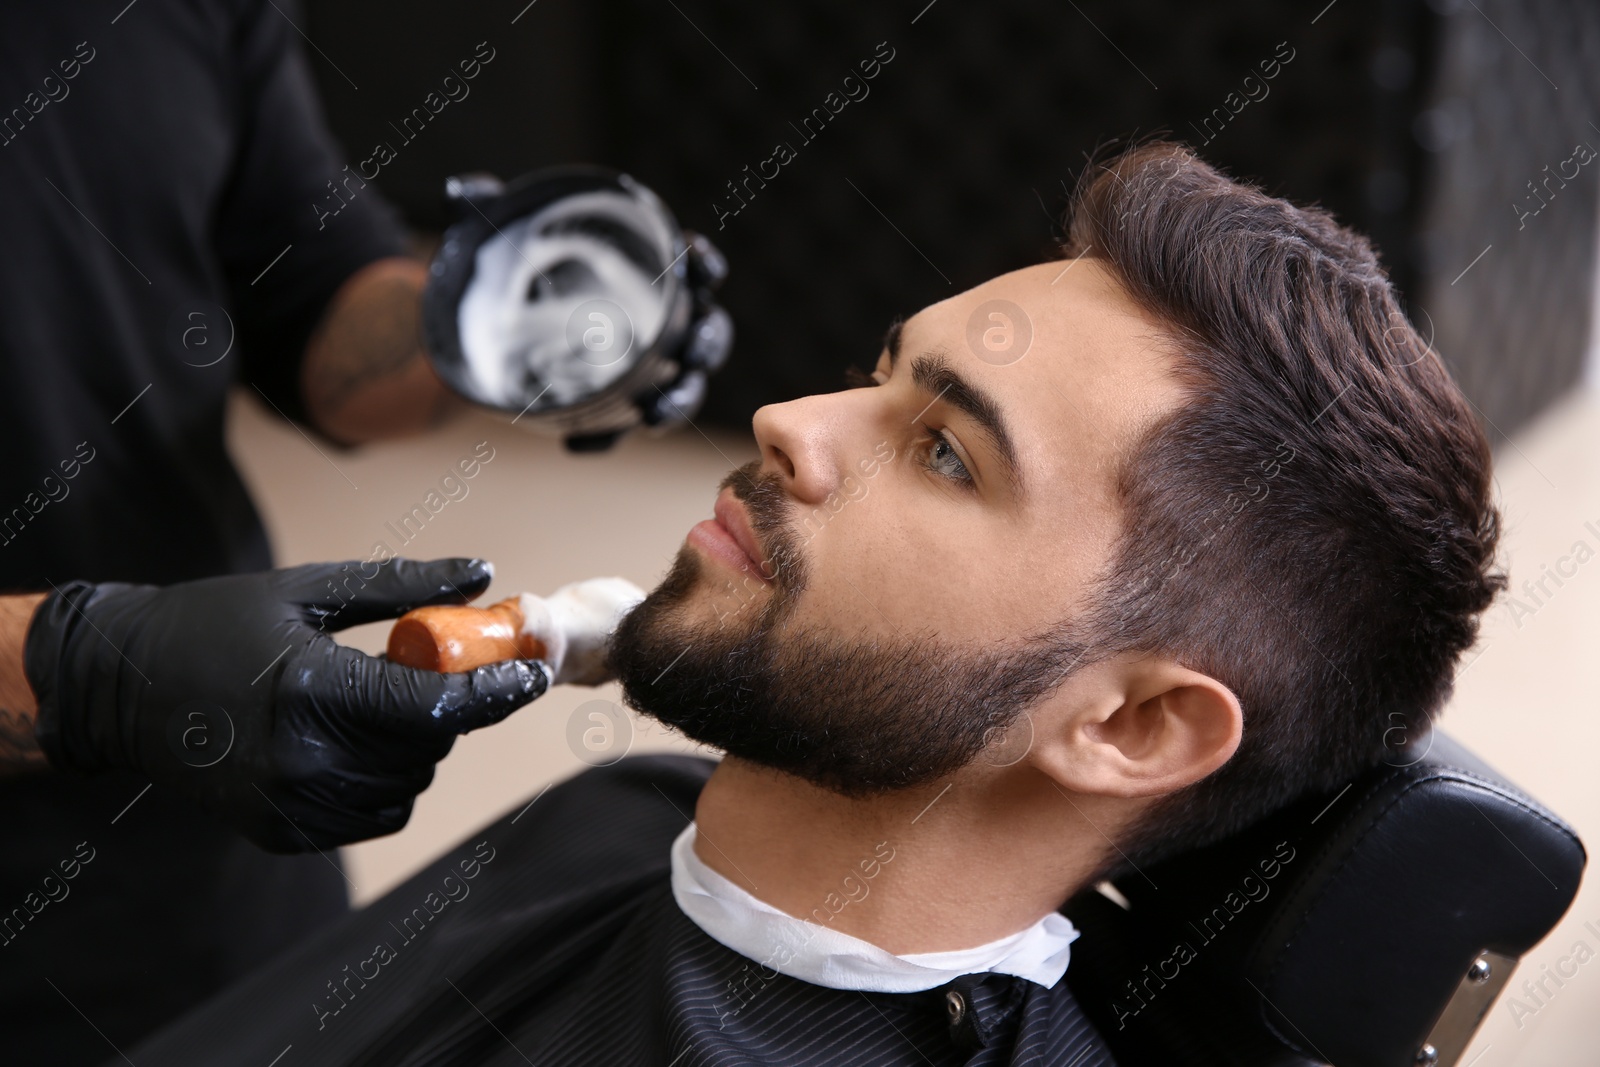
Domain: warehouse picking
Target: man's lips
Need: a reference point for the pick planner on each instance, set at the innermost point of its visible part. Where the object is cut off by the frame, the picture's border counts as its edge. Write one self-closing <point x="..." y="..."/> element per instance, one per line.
<point x="729" y="536"/>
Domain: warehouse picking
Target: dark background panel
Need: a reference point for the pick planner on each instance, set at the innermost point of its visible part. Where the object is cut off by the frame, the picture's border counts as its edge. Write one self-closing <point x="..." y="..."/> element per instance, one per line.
<point x="1514" y="95"/>
<point x="955" y="165"/>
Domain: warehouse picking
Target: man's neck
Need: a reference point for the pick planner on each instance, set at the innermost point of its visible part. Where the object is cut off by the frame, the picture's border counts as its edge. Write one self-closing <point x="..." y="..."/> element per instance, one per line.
<point x="951" y="865"/>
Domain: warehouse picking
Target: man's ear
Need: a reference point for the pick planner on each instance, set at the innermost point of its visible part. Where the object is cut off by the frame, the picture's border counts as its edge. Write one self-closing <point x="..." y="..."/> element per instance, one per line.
<point x="1135" y="726"/>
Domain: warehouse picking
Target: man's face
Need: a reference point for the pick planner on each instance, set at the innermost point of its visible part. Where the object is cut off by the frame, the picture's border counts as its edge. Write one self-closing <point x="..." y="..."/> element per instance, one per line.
<point x="920" y="547"/>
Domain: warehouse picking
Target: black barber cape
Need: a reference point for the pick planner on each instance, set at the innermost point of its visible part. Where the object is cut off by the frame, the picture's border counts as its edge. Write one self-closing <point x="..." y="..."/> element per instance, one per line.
<point x="551" y="937"/>
<point x="156" y="160"/>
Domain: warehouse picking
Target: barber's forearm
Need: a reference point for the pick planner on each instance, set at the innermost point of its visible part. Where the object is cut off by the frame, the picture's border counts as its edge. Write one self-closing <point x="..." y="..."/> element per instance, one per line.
<point x="18" y="749"/>
<point x="365" y="376"/>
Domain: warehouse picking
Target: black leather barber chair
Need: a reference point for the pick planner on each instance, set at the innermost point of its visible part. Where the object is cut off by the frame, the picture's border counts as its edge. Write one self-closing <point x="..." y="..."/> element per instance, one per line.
<point x="1370" y="927"/>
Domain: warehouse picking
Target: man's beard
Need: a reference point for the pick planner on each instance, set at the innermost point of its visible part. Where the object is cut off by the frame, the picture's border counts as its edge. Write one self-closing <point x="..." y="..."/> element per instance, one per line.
<point x="857" y="716"/>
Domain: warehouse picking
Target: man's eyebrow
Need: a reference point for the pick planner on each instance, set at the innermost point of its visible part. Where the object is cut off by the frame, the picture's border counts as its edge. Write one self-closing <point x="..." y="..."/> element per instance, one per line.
<point x="933" y="375"/>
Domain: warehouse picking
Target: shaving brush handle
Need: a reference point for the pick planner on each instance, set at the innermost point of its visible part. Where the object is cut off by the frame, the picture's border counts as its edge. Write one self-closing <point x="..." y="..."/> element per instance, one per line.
<point x="460" y="637"/>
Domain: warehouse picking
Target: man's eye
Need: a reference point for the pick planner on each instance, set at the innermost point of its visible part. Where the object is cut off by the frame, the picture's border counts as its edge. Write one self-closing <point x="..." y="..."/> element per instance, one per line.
<point x="940" y="455"/>
<point x="943" y="460"/>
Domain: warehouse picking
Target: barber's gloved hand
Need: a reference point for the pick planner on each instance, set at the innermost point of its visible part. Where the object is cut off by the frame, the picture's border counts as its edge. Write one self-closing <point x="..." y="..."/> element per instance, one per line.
<point x="232" y="691"/>
<point x="708" y="343"/>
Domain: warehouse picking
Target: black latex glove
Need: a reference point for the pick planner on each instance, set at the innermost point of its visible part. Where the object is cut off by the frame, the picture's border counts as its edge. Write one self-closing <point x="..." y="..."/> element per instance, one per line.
<point x="232" y="691"/>
<point x="703" y="352"/>
<point x="707" y="345"/>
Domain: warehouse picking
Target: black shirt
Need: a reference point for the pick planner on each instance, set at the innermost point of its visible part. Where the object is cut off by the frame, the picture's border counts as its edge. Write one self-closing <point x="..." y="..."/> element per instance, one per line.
<point x="551" y="937"/>
<point x="159" y="166"/>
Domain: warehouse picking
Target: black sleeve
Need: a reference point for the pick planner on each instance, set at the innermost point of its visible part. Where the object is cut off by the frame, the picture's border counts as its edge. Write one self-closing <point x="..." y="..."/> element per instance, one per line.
<point x="279" y="202"/>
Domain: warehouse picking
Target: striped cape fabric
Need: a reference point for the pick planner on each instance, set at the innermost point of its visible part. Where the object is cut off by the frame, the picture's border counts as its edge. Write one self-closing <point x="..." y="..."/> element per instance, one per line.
<point x="551" y="938"/>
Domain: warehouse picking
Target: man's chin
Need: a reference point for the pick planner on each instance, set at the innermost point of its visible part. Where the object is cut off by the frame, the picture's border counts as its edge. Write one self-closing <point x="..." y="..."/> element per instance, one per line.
<point x="700" y="597"/>
<point x="853" y="717"/>
<point x="681" y="613"/>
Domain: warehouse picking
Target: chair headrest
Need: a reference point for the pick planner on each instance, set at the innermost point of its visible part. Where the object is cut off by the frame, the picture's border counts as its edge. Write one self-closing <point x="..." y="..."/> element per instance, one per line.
<point x="1338" y="929"/>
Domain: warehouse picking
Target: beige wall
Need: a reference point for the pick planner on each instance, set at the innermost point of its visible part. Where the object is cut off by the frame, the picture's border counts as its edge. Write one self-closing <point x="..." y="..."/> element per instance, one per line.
<point x="1528" y="705"/>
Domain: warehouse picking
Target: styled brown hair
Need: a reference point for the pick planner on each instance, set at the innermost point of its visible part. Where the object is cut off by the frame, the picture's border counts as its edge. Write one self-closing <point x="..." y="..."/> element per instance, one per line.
<point x="1313" y="527"/>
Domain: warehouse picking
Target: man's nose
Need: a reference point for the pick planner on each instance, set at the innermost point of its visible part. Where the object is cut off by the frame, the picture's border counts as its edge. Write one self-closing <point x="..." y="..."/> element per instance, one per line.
<point x="801" y="443"/>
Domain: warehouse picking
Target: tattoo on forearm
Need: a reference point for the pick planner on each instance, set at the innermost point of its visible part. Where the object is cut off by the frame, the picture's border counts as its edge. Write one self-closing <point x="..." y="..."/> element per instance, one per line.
<point x="377" y="336"/>
<point x="18" y="746"/>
